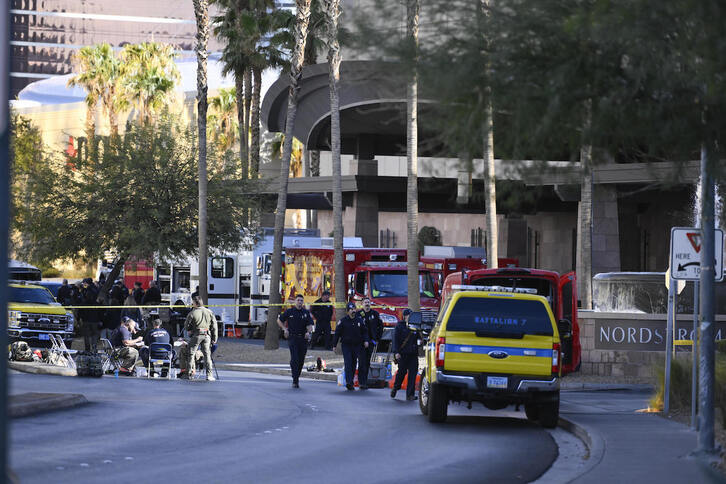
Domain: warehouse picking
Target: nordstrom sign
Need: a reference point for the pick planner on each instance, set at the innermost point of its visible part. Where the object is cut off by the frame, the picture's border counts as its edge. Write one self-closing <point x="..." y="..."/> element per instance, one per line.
<point x="643" y="335"/>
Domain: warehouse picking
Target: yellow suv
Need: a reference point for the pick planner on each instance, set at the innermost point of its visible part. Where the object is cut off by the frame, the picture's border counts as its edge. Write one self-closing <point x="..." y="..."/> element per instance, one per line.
<point x="33" y="313"/>
<point x="498" y="346"/>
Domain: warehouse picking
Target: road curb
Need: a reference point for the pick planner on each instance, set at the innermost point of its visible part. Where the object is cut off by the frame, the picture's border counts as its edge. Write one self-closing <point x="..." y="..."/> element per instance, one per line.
<point x="282" y="372"/>
<point x="41" y="368"/>
<point x="606" y="387"/>
<point x="43" y="403"/>
<point x="593" y="443"/>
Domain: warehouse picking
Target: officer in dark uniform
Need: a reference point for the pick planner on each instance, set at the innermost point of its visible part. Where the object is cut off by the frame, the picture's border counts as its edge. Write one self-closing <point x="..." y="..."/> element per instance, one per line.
<point x="353" y="333"/>
<point x="375" y="329"/>
<point x="405" y="347"/>
<point x="322" y="312"/>
<point x="298" y="326"/>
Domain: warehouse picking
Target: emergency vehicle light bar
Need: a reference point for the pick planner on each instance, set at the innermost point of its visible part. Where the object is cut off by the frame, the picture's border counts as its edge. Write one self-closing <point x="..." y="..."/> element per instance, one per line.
<point x="521" y="290"/>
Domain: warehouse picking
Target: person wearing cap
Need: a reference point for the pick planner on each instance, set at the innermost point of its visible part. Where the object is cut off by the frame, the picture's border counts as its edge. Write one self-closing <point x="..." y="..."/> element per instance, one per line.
<point x="322" y="312"/>
<point x="297" y="323"/>
<point x="405" y="348"/>
<point x="126" y="346"/>
<point x="352" y="332"/>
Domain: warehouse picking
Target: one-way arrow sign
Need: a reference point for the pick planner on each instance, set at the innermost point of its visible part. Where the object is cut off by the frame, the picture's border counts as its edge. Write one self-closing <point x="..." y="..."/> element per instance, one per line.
<point x="686" y="253"/>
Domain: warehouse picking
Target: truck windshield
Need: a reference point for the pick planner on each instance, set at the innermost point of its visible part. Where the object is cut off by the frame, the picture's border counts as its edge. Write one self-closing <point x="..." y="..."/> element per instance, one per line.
<point x="497" y="317"/>
<point x="30" y="295"/>
<point x="395" y="284"/>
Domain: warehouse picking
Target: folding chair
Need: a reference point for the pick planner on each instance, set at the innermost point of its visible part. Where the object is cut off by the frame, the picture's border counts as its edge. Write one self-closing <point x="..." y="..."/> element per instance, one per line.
<point x="58" y="347"/>
<point x="168" y="351"/>
<point x="110" y="360"/>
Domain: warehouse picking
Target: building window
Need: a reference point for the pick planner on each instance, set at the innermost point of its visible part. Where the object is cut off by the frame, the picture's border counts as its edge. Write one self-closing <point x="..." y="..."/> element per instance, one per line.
<point x="478" y="237"/>
<point x="533" y="247"/>
<point x="388" y="239"/>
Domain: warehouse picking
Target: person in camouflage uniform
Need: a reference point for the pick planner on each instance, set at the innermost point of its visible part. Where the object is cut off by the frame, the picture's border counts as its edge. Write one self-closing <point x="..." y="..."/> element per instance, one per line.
<point x="202" y="327"/>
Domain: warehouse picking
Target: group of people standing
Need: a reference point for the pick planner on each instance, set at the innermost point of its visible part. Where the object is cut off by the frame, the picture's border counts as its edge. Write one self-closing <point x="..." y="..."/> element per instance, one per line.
<point x="358" y="333"/>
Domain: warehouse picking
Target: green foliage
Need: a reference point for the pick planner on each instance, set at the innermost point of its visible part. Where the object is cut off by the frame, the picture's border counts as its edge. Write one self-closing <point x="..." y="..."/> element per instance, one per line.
<point x="138" y="195"/>
<point x="428" y="236"/>
<point x="222" y="122"/>
<point x="680" y="395"/>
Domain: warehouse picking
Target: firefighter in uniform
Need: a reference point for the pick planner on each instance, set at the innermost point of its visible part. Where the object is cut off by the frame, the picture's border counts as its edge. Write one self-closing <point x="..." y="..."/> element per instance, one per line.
<point x="405" y="347"/>
<point x="353" y="333"/>
<point x="298" y="326"/>
<point x="375" y="330"/>
<point x="202" y="327"/>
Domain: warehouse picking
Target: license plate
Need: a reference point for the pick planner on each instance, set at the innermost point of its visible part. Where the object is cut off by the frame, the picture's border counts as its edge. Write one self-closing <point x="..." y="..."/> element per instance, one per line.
<point x="497" y="382"/>
<point x="44" y="337"/>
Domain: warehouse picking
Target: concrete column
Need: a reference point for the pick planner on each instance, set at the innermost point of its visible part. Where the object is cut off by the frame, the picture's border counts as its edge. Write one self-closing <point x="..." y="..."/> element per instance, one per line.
<point x="365" y="205"/>
<point x="605" y="230"/>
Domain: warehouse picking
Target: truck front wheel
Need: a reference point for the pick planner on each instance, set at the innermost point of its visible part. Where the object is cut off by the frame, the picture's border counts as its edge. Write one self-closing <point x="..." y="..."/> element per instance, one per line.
<point x="438" y="403"/>
<point x="423" y="394"/>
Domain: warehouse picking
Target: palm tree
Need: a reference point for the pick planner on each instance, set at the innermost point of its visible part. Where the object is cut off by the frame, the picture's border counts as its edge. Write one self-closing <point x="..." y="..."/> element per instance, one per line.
<point x="222" y="119"/>
<point x="296" y="160"/>
<point x="332" y="8"/>
<point x="414" y="300"/>
<point x="584" y="218"/>
<point x="99" y="71"/>
<point x="201" y="13"/>
<point x="490" y="190"/>
<point x="149" y="76"/>
<point x="302" y="18"/>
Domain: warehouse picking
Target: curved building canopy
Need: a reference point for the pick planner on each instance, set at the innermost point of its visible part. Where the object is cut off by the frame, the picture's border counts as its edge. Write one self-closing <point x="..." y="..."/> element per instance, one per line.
<point x="372" y="109"/>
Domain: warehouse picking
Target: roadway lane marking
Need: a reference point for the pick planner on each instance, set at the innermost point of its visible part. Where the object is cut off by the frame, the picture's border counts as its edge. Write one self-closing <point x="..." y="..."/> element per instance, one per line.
<point x="107" y="461"/>
<point x="128" y="458"/>
<point x="84" y="464"/>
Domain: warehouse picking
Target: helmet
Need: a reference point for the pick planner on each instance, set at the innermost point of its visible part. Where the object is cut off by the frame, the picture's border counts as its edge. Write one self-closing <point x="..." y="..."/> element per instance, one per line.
<point x="350" y="306"/>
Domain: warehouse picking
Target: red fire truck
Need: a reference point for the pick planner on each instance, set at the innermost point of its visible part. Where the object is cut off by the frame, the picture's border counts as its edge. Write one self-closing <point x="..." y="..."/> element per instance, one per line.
<point x="445" y="260"/>
<point x="379" y="274"/>
<point x="559" y="290"/>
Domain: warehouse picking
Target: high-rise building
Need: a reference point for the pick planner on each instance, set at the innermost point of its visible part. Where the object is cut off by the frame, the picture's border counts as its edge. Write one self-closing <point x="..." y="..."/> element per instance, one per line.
<point x="46" y="33"/>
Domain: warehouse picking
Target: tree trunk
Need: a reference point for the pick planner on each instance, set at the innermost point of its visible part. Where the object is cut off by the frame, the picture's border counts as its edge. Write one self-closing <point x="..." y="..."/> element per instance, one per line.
<point x="112" y="276"/>
<point x="90" y="123"/>
<point x="414" y="291"/>
<point x="332" y="11"/>
<point x="241" y="116"/>
<point x="255" y="123"/>
<point x="584" y="251"/>
<point x="248" y="115"/>
<point x="201" y="12"/>
<point x="301" y="27"/>
<point x="490" y="191"/>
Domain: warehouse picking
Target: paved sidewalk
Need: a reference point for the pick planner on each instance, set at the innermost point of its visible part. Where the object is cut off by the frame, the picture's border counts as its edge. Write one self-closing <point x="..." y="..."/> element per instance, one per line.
<point x="628" y="446"/>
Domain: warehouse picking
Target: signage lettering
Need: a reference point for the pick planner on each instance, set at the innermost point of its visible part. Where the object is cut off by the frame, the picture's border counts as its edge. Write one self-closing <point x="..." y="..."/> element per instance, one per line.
<point x="634" y="335"/>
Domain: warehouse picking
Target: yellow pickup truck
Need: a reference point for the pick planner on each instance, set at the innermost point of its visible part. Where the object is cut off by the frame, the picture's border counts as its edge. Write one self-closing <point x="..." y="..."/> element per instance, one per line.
<point x="33" y="313"/>
<point x="498" y="346"/>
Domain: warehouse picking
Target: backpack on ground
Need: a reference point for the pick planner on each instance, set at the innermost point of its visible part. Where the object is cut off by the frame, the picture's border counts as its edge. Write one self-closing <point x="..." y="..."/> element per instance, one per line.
<point x="20" y="351"/>
<point x="89" y="364"/>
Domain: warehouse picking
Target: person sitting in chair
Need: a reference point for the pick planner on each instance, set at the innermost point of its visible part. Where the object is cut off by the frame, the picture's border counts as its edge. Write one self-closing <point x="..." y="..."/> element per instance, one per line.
<point x="156" y="335"/>
<point x="126" y="346"/>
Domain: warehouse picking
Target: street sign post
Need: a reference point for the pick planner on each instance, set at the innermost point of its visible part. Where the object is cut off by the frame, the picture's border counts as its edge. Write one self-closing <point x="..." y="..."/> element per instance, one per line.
<point x="686" y="254"/>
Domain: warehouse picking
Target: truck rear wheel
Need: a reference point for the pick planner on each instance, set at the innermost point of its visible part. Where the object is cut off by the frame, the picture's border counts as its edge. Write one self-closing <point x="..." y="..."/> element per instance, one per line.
<point x="423" y="394"/>
<point x="549" y="414"/>
<point x="532" y="411"/>
<point x="438" y="403"/>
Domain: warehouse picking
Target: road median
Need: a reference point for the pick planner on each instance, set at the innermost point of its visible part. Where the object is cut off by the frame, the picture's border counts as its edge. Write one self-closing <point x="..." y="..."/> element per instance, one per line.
<point x="41" y="368"/>
<point x="26" y="404"/>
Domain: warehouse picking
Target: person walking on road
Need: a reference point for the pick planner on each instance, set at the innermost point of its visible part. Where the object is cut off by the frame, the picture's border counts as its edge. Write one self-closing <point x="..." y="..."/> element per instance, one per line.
<point x="375" y="331"/>
<point x="322" y="313"/>
<point x="297" y="323"/>
<point x="353" y="333"/>
<point x="202" y="327"/>
<point x="405" y="348"/>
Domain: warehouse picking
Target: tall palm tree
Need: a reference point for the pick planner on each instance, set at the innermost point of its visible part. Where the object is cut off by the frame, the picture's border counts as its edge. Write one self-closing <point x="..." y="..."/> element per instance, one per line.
<point x="412" y="18"/>
<point x="332" y="8"/>
<point x="584" y="216"/>
<point x="149" y="76"/>
<point x="490" y="190"/>
<point x="302" y="18"/>
<point x="99" y="72"/>
<point x="222" y="119"/>
<point x="255" y="120"/>
<point x="201" y="13"/>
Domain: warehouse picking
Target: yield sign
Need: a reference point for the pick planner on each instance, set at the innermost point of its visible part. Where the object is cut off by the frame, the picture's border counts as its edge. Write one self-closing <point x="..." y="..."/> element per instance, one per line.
<point x="686" y="253"/>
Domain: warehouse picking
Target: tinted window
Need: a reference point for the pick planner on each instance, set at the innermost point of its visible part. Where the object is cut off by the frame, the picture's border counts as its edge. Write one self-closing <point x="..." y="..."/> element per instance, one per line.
<point x="567" y="301"/>
<point x="395" y="284"/>
<point x="222" y="267"/>
<point x="30" y="295"/>
<point x="499" y="316"/>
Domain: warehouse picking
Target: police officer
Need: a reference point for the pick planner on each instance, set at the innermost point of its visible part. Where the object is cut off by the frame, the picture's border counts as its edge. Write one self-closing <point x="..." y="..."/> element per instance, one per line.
<point x="322" y="312"/>
<point x="405" y="347"/>
<point x="353" y="333"/>
<point x="298" y="326"/>
<point x="90" y="318"/>
<point x="202" y="327"/>
<point x="375" y="329"/>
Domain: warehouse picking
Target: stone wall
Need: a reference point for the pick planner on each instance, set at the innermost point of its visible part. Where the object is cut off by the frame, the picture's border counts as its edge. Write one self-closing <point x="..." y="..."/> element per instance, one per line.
<point x="634" y="348"/>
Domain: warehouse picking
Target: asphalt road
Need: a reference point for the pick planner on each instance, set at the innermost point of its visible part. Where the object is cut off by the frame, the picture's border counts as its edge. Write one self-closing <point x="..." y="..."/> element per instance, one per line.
<point x="250" y="427"/>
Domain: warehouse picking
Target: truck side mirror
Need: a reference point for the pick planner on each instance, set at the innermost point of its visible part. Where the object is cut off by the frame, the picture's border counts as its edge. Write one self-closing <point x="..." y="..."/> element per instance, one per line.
<point x="564" y="327"/>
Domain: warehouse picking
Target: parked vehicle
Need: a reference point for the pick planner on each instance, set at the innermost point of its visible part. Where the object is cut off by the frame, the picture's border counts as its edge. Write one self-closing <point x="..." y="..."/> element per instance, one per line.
<point x="33" y="314"/>
<point x="445" y="260"/>
<point x="22" y="271"/>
